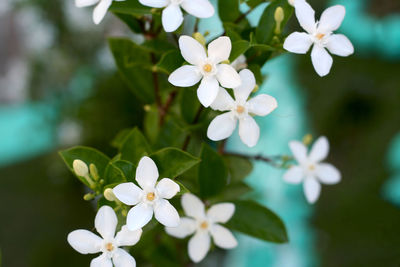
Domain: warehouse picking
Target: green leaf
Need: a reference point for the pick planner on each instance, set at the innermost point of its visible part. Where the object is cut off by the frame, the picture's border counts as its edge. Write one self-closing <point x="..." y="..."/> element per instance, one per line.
<point x="238" y="48"/>
<point x="158" y="46"/>
<point x="134" y="146"/>
<point x="129" y="7"/>
<point x="170" y="61"/>
<point x="213" y="174"/>
<point x="151" y="124"/>
<point x="87" y="155"/>
<point x="120" y="138"/>
<point x="228" y="10"/>
<point x="256" y="69"/>
<point x="127" y="168"/>
<point x="189" y="104"/>
<point x="257" y="221"/>
<point x="255" y="3"/>
<point x="113" y="175"/>
<point x="232" y="192"/>
<point x="172" y="162"/>
<point x="239" y="168"/>
<point x="132" y="22"/>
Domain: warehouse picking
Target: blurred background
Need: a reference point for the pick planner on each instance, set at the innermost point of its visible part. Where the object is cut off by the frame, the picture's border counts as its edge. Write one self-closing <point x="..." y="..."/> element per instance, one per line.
<point x="55" y="78"/>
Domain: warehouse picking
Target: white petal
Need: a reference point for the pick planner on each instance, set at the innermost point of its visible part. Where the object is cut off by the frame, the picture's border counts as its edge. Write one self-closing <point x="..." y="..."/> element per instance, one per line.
<point x="101" y="10"/>
<point x="84" y="3"/>
<point x="207" y="91"/>
<point x="312" y="189"/>
<point x="165" y="213"/>
<point x="167" y="188"/>
<point x="227" y="76"/>
<point x="249" y="131"/>
<point x="331" y="19"/>
<point x="248" y="84"/>
<point x="185" y="76"/>
<point x="121" y="258"/>
<point x="298" y="42"/>
<point x="221" y="212"/>
<point x="126" y="237"/>
<point x="139" y="216"/>
<point x="172" y="17"/>
<point x="328" y="174"/>
<point x="299" y="151"/>
<point x="321" y="60"/>
<point x="222" y="237"/>
<point x="101" y="261"/>
<point x="319" y="150"/>
<point x="198" y="8"/>
<point x="193" y="206"/>
<point x="185" y="228"/>
<point x="192" y="51"/>
<point x="262" y="105"/>
<point x="154" y="3"/>
<point x="219" y="49"/>
<point x="85" y="242"/>
<point x="306" y="15"/>
<point x="223" y="101"/>
<point x="294" y="175"/>
<point x="222" y="126"/>
<point x="198" y="246"/>
<point x="340" y="45"/>
<point x="106" y="222"/>
<point x="128" y="193"/>
<point x="147" y="173"/>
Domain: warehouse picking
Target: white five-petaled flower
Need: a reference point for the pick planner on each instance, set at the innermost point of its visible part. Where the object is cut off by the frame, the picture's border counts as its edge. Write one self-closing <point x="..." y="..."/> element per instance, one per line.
<point x="152" y="198"/>
<point x="206" y="67"/>
<point x="172" y="16"/>
<point x="99" y="11"/>
<point x="106" y="221"/>
<point x="223" y="125"/>
<point x="203" y="224"/>
<point x="310" y="169"/>
<point x="321" y="35"/>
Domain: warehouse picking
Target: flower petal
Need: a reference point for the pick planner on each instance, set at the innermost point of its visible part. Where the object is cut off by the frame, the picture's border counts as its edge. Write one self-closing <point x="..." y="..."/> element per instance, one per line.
<point x="85" y="242"/>
<point x="294" y="175"/>
<point x="331" y="19"/>
<point x="222" y="126"/>
<point x="198" y="246"/>
<point x="321" y="60"/>
<point x="172" y="17"/>
<point x="319" y="150"/>
<point x="139" y="216"/>
<point x="193" y="206"/>
<point x="243" y="91"/>
<point x="222" y="237"/>
<point x="128" y="193"/>
<point x="299" y="151"/>
<point x="101" y="261"/>
<point x="223" y="101"/>
<point x="101" y="10"/>
<point x="219" y="49"/>
<point x="126" y="237"/>
<point x="305" y="15"/>
<point x="185" y="228"/>
<point x="207" y="91"/>
<point x="262" y="105"/>
<point x="185" y="76"/>
<point x="192" y="51"/>
<point x="121" y="258"/>
<point x="312" y="189"/>
<point x="154" y="3"/>
<point x="340" y="45"/>
<point x="167" y="188"/>
<point x="298" y="42"/>
<point x="328" y="174"/>
<point x="84" y="3"/>
<point x="198" y="8"/>
<point x="106" y="222"/>
<point x="147" y="173"/>
<point x="165" y="213"/>
<point x="227" y="76"/>
<point x="249" y="131"/>
<point x="221" y="213"/>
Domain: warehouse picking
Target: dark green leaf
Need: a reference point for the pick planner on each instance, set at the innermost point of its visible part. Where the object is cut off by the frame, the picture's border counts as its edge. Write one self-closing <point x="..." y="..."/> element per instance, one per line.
<point x="113" y="175"/>
<point x="238" y="48"/>
<point x="232" y="192"/>
<point x="134" y="146"/>
<point x="239" y="168"/>
<point x="228" y="10"/>
<point x="189" y="104"/>
<point x="170" y="61"/>
<point x="131" y="7"/>
<point x="127" y="168"/>
<point x="132" y="22"/>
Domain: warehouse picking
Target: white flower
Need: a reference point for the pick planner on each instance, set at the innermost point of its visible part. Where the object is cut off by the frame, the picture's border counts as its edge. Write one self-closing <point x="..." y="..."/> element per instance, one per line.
<point x="152" y="198"/>
<point x="310" y="169"/>
<point x="106" y="221"/>
<point x="172" y="16"/>
<point x="239" y="63"/>
<point x="240" y="109"/>
<point x="206" y="67"/>
<point x="292" y="2"/>
<point x="203" y="224"/>
<point x="321" y="35"/>
<point x="99" y="11"/>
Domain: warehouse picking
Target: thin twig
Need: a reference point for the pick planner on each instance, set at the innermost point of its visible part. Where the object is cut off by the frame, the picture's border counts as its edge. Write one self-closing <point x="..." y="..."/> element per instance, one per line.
<point x="167" y="106"/>
<point x="196" y="119"/>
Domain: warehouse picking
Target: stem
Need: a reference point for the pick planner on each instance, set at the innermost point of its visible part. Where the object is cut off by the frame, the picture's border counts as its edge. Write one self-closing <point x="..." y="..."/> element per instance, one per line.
<point x="272" y="160"/>
<point x="243" y="15"/>
<point x="196" y="119"/>
<point x="167" y="105"/>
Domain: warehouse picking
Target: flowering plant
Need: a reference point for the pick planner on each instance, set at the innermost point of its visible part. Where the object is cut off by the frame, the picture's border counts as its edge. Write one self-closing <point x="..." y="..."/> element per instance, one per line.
<point x="174" y="165"/>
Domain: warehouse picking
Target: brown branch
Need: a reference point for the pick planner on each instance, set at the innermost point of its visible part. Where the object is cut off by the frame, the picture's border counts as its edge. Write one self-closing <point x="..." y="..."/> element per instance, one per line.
<point x="167" y="106"/>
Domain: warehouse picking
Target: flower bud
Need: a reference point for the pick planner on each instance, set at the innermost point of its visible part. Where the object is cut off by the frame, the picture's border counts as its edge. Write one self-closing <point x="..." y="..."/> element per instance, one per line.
<point x="88" y="196"/>
<point x="80" y="168"/>
<point x="200" y="38"/>
<point x="279" y="16"/>
<point x="307" y="139"/>
<point x="109" y="194"/>
<point x="93" y="172"/>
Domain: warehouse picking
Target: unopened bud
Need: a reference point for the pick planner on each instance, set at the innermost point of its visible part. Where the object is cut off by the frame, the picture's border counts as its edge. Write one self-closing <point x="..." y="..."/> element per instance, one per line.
<point x="80" y="168"/>
<point x="279" y="16"/>
<point x="147" y="108"/>
<point x="109" y="194"/>
<point x="88" y="196"/>
<point x="200" y="38"/>
<point x="93" y="172"/>
<point x="226" y="62"/>
<point x="256" y="88"/>
<point x="307" y="139"/>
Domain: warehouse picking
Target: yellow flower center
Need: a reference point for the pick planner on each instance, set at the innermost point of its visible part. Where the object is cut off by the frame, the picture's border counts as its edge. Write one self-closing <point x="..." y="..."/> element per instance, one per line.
<point x="311" y="167"/>
<point x="109" y="247"/>
<point x="151" y="196"/>
<point x="320" y="36"/>
<point x="204" y="225"/>
<point x="207" y="68"/>
<point x="240" y="109"/>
